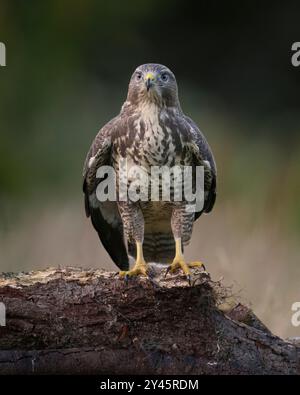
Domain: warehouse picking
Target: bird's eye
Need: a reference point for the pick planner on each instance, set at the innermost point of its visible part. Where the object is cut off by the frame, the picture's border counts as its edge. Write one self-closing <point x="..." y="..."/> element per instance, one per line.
<point x="164" y="77"/>
<point x="138" y="76"/>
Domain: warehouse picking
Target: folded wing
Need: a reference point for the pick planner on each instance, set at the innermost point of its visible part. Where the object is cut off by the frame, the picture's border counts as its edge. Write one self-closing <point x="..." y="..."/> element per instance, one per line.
<point x="105" y="216"/>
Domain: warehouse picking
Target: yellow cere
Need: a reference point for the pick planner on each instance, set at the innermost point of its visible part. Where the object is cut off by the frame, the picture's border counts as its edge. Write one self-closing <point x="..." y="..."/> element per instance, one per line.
<point x="150" y="76"/>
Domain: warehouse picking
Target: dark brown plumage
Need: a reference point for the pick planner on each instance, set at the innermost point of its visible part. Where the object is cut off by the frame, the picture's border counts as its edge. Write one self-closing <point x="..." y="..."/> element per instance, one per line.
<point x="151" y="130"/>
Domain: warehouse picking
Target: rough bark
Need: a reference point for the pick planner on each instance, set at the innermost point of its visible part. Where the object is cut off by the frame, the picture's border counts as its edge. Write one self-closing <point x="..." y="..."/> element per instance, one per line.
<point x="91" y="321"/>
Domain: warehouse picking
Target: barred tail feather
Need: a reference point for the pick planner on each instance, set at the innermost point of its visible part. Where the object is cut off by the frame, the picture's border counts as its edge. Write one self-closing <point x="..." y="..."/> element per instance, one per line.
<point x="159" y="247"/>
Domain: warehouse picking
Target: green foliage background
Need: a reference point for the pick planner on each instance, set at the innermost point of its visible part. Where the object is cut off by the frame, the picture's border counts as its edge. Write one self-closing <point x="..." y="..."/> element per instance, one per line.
<point x="68" y="65"/>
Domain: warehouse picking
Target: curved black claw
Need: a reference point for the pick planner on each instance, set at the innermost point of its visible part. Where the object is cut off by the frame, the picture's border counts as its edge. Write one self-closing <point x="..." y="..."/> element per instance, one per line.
<point x="167" y="271"/>
<point x="188" y="277"/>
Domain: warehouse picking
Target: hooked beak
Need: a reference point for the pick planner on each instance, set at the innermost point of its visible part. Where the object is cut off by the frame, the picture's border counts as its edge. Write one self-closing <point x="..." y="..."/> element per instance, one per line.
<point x="149" y="80"/>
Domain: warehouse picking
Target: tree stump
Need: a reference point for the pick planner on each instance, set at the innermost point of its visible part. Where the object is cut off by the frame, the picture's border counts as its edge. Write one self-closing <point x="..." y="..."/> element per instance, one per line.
<point x="75" y="321"/>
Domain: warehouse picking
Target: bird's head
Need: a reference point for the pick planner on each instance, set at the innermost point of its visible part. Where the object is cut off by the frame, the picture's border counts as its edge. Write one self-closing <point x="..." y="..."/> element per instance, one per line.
<point x="153" y="83"/>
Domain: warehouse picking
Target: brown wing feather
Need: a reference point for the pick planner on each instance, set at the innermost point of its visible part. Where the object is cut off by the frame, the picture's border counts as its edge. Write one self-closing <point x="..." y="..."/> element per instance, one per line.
<point x="205" y="156"/>
<point x="105" y="217"/>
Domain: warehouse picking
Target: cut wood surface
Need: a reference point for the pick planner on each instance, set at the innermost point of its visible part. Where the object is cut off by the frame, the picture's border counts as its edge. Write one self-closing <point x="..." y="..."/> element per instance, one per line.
<point x="91" y="321"/>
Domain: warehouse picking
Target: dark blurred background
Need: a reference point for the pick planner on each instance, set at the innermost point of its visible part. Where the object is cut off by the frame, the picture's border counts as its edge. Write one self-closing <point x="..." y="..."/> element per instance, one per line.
<point x="68" y="66"/>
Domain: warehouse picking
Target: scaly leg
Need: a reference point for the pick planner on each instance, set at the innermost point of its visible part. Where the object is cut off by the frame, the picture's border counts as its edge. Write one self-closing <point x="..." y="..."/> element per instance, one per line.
<point x="133" y="222"/>
<point x="180" y="263"/>
<point x="140" y="267"/>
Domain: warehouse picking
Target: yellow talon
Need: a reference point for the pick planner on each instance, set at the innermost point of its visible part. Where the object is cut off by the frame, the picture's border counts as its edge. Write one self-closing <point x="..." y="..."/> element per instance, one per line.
<point x="140" y="267"/>
<point x="179" y="262"/>
<point x="196" y="264"/>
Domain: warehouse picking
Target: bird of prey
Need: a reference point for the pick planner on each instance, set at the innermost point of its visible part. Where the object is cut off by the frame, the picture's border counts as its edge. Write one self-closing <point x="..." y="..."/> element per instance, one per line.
<point x="151" y="130"/>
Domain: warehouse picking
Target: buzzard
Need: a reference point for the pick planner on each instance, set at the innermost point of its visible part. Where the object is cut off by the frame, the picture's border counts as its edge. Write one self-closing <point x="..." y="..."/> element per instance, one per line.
<point x="151" y="130"/>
